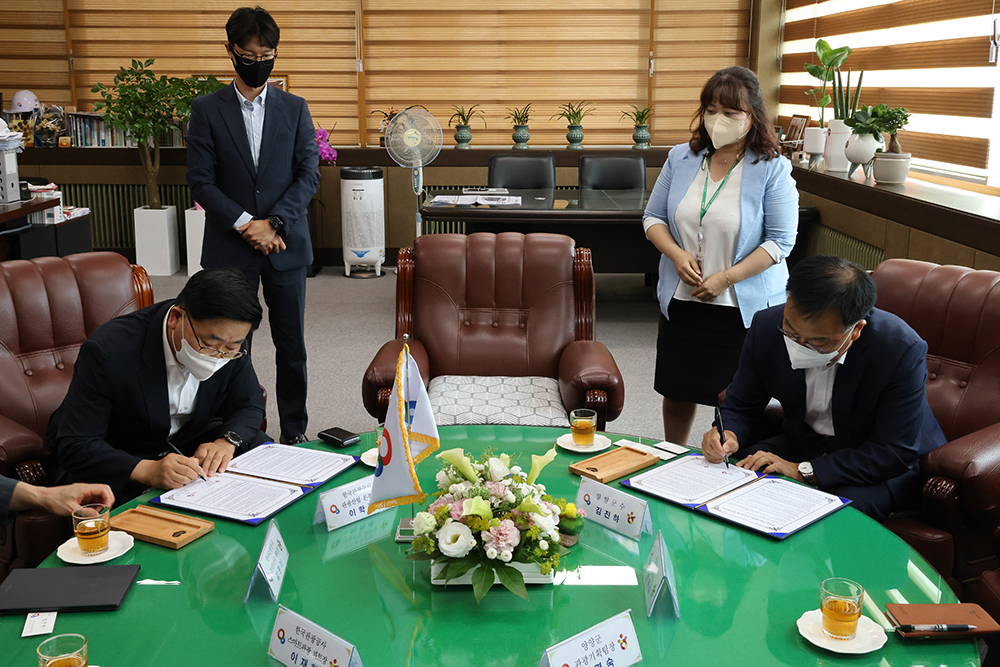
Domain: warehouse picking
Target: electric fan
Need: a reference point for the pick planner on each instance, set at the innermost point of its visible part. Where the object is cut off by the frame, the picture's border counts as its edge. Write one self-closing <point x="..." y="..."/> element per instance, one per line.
<point x="413" y="139"/>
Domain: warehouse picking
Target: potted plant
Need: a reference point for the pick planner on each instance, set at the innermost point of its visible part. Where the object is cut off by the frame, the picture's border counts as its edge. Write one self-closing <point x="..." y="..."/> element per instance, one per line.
<point x="518" y="117"/>
<point x="640" y="118"/>
<point x="844" y="103"/>
<point x="388" y="116"/>
<point x="463" y="119"/>
<point x="145" y="107"/>
<point x="574" y="113"/>
<point x="865" y="139"/>
<point x="891" y="166"/>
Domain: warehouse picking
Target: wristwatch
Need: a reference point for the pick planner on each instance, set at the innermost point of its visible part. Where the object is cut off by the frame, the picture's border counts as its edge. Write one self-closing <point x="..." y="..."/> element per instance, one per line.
<point x="234" y="439"/>
<point x="276" y="222"/>
<point x="806" y="470"/>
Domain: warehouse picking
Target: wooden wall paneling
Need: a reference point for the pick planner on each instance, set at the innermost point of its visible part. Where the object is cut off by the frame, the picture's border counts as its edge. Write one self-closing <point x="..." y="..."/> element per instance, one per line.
<point x="33" y="52"/>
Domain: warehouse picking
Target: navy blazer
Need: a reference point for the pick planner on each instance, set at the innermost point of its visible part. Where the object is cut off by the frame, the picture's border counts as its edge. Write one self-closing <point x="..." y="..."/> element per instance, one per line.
<point x="117" y="412"/>
<point x="881" y="418"/>
<point x="223" y="180"/>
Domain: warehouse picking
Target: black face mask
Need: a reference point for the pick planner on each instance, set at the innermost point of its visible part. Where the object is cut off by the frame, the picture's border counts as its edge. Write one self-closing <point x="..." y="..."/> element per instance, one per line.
<point x="256" y="74"/>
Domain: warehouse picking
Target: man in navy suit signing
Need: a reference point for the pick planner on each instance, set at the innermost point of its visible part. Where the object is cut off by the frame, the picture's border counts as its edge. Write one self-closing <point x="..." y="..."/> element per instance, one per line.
<point x="851" y="380"/>
<point x="254" y="167"/>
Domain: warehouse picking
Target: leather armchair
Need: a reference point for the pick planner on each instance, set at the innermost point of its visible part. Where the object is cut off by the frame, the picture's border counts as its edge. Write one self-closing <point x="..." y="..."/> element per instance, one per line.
<point x="509" y="305"/>
<point x="612" y="172"/>
<point x="48" y="308"/>
<point x="522" y="172"/>
<point x="957" y="311"/>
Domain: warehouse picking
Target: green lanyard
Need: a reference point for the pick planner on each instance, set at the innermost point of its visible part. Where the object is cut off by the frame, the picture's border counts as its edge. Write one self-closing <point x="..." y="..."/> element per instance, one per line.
<point x="704" y="191"/>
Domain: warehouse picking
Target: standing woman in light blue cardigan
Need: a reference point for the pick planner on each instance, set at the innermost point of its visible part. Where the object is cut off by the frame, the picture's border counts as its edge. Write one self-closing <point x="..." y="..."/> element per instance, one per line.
<point x="723" y="213"/>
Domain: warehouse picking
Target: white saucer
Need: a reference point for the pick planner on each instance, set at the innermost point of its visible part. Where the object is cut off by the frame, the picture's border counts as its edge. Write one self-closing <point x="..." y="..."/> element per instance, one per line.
<point x="870" y="636"/>
<point x="601" y="443"/>
<point x="370" y="457"/>
<point x="118" y="543"/>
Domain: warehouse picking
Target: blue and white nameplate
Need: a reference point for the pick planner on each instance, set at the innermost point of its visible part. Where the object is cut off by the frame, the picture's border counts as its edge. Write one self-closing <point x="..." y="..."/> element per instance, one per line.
<point x="614" y="509"/>
<point x="298" y="642"/>
<point x="272" y="562"/>
<point x="659" y="575"/>
<point x="612" y="642"/>
<point x="346" y="504"/>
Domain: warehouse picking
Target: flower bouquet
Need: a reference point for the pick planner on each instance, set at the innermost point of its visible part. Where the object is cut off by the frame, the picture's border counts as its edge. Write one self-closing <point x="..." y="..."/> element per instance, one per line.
<point x="488" y="516"/>
<point x="327" y="153"/>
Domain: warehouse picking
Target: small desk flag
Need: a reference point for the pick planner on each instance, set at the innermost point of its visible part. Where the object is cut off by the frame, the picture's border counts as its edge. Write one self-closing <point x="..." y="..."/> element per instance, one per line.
<point x="410" y="435"/>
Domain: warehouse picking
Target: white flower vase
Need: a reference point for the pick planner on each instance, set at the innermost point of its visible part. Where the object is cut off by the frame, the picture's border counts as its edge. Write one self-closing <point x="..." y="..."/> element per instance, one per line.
<point x="891" y="168"/>
<point x="836" y="143"/>
<point x="814" y="140"/>
<point x="860" y="150"/>
<point x="530" y="571"/>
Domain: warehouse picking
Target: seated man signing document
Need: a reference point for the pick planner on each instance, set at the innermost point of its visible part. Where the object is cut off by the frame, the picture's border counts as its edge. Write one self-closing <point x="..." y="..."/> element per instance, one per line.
<point x="173" y="377"/>
<point x="851" y="380"/>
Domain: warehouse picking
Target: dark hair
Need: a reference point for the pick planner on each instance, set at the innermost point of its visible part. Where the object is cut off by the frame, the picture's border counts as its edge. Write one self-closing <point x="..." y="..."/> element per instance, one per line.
<point x="220" y="293"/>
<point x="736" y="88"/>
<point x="823" y="283"/>
<point x="249" y="22"/>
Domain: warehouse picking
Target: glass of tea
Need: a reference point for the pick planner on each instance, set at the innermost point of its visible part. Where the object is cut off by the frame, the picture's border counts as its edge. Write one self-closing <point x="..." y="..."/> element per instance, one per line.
<point x="91" y="524"/>
<point x="63" y="651"/>
<point x="840" y="602"/>
<point x="583" y="424"/>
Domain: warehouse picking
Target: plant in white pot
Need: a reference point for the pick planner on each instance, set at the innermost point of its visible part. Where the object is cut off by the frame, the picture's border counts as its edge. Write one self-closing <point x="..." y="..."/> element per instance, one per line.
<point x="890" y="166"/>
<point x="844" y="103"/>
<point x="865" y="140"/>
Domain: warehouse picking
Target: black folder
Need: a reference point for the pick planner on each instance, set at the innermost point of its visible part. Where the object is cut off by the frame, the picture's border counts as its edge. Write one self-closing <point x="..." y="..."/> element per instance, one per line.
<point x="89" y="588"/>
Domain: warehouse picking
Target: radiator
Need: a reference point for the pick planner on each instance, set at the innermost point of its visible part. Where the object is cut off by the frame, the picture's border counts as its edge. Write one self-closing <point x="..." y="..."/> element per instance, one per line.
<point x="828" y="241"/>
<point x="111" y="209"/>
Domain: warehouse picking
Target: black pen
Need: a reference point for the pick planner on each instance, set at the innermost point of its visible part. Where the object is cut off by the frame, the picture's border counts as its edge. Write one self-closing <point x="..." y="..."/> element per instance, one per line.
<point x="171" y="446"/>
<point x="722" y="432"/>
<point x="940" y="627"/>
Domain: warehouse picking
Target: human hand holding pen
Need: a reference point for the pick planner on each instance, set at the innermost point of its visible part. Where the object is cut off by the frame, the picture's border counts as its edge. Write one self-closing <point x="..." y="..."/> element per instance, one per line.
<point x="714" y="449"/>
<point x="722" y="434"/>
<point x="201" y="473"/>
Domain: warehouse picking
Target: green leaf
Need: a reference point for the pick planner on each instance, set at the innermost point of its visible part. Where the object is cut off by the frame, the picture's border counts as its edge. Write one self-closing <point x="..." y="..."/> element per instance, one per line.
<point x="823" y="101"/>
<point x="512" y="580"/>
<point x="456" y="568"/>
<point x="836" y="57"/>
<point x="817" y="71"/>
<point x="822" y="48"/>
<point x="419" y="555"/>
<point x="482" y="581"/>
<point x="148" y="63"/>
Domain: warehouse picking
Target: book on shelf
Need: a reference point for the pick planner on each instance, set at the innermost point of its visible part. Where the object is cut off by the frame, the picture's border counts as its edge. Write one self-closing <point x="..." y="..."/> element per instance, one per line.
<point x="90" y="130"/>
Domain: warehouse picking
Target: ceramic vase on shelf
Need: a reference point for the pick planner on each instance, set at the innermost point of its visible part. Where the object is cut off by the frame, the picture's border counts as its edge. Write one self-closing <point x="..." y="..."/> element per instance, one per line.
<point x="641" y="137"/>
<point x="890" y="168"/>
<point x="463" y="135"/>
<point x="859" y="151"/>
<point x="836" y="142"/>
<point x="575" y="137"/>
<point x="520" y="137"/>
<point x="813" y="143"/>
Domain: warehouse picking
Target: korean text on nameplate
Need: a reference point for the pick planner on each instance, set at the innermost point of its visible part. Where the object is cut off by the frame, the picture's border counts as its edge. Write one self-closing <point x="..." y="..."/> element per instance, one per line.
<point x="614" y="509"/>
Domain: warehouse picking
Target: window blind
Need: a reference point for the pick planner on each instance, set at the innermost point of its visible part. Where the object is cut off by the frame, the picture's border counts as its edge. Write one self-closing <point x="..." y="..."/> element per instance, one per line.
<point x="929" y="56"/>
<point x="33" y="52"/>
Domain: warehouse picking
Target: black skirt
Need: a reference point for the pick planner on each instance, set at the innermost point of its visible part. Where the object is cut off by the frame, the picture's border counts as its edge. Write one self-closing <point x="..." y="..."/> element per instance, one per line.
<point x="697" y="351"/>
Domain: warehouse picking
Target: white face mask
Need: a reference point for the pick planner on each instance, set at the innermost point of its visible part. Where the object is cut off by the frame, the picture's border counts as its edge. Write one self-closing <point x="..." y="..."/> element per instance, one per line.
<point x="804" y="357"/>
<point x="724" y="130"/>
<point x="201" y="366"/>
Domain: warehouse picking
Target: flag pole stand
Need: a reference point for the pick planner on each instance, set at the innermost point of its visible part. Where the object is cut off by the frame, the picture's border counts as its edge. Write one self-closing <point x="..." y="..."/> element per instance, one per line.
<point x="404" y="531"/>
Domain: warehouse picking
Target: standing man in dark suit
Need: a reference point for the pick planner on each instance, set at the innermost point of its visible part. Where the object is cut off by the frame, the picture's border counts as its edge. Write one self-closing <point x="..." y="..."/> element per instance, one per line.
<point x="852" y="382"/>
<point x="254" y="167"/>
<point x="173" y="374"/>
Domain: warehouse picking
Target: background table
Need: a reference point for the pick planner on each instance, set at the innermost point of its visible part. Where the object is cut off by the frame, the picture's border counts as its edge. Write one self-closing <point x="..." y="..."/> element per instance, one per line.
<point x="609" y="222"/>
<point x="740" y="593"/>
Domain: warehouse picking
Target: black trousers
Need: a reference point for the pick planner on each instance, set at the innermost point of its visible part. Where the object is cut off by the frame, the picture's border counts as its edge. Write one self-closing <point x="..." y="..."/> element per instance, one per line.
<point x="285" y="296"/>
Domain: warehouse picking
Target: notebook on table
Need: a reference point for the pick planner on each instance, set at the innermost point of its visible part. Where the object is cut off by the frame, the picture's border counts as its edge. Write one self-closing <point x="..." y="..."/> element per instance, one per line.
<point x="90" y="588"/>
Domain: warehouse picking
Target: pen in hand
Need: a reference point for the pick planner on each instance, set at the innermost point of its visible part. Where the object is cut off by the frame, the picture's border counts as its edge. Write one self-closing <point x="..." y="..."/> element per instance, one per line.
<point x="177" y="451"/>
<point x="722" y="433"/>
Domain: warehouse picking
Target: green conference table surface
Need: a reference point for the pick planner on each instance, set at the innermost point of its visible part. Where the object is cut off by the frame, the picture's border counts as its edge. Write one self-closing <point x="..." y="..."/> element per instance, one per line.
<point x="740" y="593"/>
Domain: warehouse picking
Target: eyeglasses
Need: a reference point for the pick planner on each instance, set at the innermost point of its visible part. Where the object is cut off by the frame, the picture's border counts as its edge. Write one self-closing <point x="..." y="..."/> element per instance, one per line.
<point x="251" y="59"/>
<point x="209" y="351"/>
<point x="813" y="347"/>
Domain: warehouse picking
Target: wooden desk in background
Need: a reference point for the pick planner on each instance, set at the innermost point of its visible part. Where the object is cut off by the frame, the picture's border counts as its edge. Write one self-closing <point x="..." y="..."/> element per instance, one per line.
<point x="20" y="239"/>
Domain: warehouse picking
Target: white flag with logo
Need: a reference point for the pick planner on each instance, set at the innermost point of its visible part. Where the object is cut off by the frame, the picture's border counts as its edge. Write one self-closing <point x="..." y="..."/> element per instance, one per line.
<point x="410" y="435"/>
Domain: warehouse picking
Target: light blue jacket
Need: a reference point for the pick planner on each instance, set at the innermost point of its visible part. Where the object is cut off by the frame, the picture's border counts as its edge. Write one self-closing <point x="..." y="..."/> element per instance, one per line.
<point x="769" y="211"/>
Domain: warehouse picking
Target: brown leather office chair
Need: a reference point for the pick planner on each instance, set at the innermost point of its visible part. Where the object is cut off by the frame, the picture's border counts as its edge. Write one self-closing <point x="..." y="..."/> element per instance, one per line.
<point x="493" y="309"/>
<point x="957" y="311"/>
<point x="48" y="308"/>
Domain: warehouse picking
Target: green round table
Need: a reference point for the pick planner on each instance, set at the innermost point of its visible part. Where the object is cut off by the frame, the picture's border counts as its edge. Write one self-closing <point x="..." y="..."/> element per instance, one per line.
<point x="739" y="593"/>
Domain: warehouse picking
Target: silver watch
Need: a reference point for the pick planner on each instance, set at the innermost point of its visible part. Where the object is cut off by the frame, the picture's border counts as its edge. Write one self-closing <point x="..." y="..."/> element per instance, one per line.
<point x="806" y="470"/>
<point x="234" y="439"/>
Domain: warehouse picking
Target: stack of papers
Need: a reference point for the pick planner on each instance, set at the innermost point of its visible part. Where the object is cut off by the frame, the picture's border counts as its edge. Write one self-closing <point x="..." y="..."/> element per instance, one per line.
<point x="472" y="200"/>
<point x="10" y="141"/>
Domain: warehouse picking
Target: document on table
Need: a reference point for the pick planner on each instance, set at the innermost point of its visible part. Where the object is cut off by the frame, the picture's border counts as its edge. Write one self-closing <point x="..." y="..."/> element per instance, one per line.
<point x="469" y="200"/>
<point x="233" y="496"/>
<point x="295" y="465"/>
<point x="767" y="504"/>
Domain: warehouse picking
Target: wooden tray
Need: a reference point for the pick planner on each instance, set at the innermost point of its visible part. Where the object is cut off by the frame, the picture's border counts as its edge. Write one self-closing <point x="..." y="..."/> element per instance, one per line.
<point x="609" y="466"/>
<point x="167" y="529"/>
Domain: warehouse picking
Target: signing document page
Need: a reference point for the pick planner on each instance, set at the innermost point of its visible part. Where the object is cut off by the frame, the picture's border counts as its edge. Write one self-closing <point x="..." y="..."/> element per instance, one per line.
<point x="259" y="483"/>
<point x="766" y="504"/>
